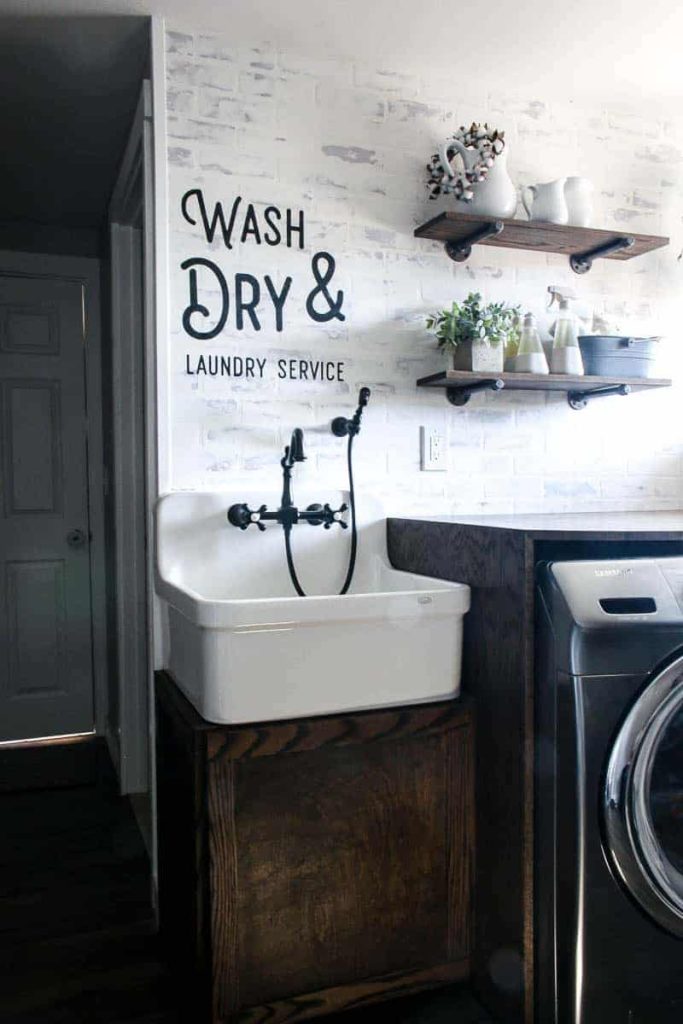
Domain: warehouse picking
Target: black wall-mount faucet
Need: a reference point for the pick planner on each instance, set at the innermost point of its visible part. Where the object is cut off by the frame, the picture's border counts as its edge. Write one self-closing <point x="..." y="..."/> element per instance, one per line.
<point x="288" y="515"/>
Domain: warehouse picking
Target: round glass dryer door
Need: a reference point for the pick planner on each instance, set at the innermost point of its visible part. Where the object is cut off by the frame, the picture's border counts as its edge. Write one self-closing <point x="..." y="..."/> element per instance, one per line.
<point x="643" y="799"/>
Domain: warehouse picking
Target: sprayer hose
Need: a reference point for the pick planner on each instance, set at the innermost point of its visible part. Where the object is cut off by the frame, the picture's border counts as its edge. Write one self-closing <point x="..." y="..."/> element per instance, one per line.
<point x="354" y="535"/>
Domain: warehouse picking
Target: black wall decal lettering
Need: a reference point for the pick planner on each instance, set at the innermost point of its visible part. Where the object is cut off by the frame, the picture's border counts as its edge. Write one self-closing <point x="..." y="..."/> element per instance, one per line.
<point x="196" y="307"/>
<point x="250" y="222"/>
<point x="224" y="366"/>
<point x="293" y="229"/>
<point x="309" y="369"/>
<point x="333" y="311"/>
<point x="250" y="225"/>
<point x="270" y="215"/>
<point x="256" y="367"/>
<point x="279" y="299"/>
<point x="210" y="226"/>
<point x="242" y="306"/>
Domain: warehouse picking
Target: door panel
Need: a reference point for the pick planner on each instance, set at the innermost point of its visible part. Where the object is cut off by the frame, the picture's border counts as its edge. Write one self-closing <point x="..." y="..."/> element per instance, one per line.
<point x="33" y="446"/>
<point x="30" y="329"/>
<point x="45" y="616"/>
<point x="36" y="636"/>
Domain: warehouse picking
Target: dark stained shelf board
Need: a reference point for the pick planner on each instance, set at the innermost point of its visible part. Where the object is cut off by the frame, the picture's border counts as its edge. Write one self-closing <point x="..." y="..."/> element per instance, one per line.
<point x="525" y="234"/>
<point x="539" y="382"/>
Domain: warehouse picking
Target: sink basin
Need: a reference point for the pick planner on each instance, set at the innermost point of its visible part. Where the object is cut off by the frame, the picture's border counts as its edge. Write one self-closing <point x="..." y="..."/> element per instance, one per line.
<point x="245" y="648"/>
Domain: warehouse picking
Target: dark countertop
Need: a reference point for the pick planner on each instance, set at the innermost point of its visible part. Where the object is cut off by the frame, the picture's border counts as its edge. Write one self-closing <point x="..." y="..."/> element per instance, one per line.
<point x="655" y="525"/>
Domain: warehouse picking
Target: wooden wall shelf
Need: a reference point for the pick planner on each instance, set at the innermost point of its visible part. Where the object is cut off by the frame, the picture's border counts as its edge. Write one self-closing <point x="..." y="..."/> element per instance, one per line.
<point x="460" y="385"/>
<point x="460" y="231"/>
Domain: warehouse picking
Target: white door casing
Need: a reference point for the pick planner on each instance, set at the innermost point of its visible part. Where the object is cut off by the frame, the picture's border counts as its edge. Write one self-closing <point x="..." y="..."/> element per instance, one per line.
<point x="131" y="219"/>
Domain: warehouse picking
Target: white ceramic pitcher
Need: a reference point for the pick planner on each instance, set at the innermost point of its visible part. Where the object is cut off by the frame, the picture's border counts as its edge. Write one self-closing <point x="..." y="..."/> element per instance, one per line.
<point x="494" y="197"/>
<point x="578" y="193"/>
<point x="546" y="202"/>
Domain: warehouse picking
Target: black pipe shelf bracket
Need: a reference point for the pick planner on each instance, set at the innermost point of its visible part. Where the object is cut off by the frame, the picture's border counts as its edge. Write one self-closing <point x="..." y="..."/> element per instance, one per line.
<point x="579" y="390"/>
<point x="461" y="250"/>
<point x="460" y="394"/>
<point x="580" y="399"/>
<point x="582" y="262"/>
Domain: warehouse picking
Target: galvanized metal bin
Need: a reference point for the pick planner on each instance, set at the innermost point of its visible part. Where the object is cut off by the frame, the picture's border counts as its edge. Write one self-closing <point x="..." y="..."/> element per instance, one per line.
<point x="607" y="355"/>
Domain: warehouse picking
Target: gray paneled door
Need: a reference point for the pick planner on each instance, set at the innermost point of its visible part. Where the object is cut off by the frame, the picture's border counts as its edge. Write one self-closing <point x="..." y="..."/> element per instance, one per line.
<point x="46" y="680"/>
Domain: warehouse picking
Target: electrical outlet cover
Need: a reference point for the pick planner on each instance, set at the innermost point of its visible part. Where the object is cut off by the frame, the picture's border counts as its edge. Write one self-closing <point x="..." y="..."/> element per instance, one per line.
<point x="432" y="450"/>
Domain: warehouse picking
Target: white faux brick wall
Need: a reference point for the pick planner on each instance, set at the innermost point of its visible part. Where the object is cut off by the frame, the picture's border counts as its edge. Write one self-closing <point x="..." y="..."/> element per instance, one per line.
<point x="347" y="144"/>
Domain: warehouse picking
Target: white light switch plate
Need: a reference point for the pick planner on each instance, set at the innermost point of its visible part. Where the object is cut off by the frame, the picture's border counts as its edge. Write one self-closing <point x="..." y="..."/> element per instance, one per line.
<point x="432" y="450"/>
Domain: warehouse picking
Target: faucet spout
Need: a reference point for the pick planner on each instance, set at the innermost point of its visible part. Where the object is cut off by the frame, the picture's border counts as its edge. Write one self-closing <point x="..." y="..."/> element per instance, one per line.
<point x="294" y="451"/>
<point x="296" y="446"/>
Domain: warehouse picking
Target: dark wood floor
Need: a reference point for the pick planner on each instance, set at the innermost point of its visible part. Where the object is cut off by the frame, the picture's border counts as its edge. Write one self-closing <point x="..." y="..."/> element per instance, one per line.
<point x="77" y="940"/>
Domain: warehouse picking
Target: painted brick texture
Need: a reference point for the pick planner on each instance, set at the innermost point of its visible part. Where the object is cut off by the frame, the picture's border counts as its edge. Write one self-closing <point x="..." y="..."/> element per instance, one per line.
<point x="347" y="145"/>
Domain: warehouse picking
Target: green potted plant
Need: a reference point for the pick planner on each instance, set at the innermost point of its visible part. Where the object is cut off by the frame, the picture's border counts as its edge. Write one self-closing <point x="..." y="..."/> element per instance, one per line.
<point x="476" y="334"/>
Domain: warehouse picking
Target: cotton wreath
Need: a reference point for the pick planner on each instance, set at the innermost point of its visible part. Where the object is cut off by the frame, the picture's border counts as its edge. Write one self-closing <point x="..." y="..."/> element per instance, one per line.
<point x="487" y="143"/>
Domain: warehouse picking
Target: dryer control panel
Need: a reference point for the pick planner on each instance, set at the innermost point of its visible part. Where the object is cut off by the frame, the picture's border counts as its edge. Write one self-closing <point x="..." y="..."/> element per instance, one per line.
<point x="605" y="594"/>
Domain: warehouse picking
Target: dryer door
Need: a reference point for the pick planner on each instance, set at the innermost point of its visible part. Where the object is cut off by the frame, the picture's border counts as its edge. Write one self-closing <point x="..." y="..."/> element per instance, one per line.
<point x="643" y="799"/>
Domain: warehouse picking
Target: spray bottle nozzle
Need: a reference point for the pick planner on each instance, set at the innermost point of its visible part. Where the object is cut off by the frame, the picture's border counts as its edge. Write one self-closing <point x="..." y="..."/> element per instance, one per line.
<point x="561" y="295"/>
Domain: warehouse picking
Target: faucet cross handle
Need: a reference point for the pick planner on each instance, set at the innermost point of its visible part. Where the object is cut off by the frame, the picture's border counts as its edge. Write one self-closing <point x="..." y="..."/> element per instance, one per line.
<point x="334" y="516"/>
<point x="242" y="516"/>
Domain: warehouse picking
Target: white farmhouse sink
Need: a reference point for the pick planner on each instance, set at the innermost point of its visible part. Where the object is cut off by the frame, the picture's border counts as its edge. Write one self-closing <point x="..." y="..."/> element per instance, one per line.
<point x="244" y="648"/>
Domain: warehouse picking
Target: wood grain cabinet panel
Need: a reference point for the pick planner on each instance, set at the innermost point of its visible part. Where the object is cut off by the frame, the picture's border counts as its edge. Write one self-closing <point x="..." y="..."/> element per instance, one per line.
<point x="314" y="865"/>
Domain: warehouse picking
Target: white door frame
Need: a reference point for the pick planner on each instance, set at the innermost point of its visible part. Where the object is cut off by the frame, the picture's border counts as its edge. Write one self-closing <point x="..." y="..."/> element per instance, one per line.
<point x="85" y="272"/>
<point x="131" y="220"/>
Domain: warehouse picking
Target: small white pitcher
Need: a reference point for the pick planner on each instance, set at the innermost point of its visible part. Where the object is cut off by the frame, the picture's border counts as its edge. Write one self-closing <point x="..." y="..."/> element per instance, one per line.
<point x="578" y="193"/>
<point x="546" y="202"/>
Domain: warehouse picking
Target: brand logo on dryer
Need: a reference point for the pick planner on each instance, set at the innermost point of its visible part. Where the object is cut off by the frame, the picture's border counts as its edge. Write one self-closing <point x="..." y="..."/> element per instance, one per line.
<point x="612" y="572"/>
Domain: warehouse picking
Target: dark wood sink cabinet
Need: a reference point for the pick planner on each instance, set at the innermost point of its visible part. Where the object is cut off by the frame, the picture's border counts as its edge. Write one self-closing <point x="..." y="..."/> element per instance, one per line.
<point x="313" y="865"/>
<point x="497" y="556"/>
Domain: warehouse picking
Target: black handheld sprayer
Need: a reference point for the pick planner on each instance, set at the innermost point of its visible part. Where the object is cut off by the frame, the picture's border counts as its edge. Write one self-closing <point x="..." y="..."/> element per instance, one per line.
<point x="341" y="427"/>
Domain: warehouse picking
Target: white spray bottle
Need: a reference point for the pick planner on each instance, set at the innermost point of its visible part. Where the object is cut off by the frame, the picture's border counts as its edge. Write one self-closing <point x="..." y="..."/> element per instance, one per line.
<point x="566" y="354"/>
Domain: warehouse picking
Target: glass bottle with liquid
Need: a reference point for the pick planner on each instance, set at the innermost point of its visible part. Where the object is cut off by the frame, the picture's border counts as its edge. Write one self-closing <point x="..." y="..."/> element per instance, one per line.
<point x="566" y="354"/>
<point x="530" y="356"/>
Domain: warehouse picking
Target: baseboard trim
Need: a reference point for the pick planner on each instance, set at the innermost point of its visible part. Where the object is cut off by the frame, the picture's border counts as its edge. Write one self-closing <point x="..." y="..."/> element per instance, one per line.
<point x="48" y="741"/>
<point x="54" y="763"/>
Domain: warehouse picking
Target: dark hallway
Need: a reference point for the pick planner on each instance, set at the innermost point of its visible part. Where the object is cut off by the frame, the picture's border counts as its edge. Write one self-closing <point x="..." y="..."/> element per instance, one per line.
<point x="77" y="939"/>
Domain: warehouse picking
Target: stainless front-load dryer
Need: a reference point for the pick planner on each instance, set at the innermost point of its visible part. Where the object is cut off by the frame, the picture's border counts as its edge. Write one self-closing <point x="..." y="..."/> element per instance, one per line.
<point x="609" y="792"/>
